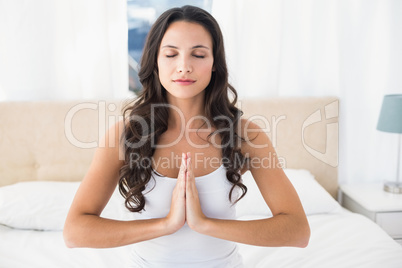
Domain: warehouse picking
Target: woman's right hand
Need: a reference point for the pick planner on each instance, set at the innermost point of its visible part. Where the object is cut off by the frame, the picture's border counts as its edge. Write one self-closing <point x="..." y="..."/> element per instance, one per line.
<point x="177" y="214"/>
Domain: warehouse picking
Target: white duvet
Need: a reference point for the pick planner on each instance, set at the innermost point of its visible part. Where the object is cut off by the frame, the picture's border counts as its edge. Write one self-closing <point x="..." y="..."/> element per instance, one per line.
<point x="337" y="240"/>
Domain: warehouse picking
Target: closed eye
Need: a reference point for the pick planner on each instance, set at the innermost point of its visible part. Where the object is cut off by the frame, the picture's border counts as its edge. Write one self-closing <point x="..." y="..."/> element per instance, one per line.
<point x="199" y="57"/>
<point x="170" y="56"/>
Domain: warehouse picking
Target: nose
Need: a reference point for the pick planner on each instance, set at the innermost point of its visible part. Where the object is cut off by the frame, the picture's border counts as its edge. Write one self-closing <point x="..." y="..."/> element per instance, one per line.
<point x="184" y="66"/>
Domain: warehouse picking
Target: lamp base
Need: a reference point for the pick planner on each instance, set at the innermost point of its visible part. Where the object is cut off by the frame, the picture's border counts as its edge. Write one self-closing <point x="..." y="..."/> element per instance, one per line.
<point x="393" y="187"/>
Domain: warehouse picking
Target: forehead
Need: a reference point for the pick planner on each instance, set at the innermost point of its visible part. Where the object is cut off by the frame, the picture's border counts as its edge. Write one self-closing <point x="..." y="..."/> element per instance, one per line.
<point x="183" y="34"/>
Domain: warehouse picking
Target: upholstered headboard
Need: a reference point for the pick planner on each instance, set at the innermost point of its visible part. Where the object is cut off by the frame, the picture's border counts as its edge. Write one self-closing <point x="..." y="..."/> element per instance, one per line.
<point x="304" y="132"/>
<point x="51" y="140"/>
<point x="56" y="140"/>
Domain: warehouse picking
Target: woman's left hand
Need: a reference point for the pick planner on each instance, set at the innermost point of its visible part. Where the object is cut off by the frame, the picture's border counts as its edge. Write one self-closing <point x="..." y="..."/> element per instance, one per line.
<point x="194" y="216"/>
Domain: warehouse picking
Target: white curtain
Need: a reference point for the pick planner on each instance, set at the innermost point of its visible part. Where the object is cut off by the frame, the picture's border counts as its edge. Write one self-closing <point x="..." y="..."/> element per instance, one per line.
<point x="64" y="49"/>
<point x="345" y="48"/>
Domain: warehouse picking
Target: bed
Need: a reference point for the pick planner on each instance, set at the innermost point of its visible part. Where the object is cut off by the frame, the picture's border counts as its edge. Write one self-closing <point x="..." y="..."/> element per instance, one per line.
<point x="46" y="148"/>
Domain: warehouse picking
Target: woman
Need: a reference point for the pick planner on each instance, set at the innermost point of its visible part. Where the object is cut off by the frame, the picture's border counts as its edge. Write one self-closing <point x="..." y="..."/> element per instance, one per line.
<point x="184" y="148"/>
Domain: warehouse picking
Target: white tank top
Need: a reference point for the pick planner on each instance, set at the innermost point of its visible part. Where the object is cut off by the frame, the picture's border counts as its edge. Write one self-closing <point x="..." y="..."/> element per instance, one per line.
<point x="187" y="248"/>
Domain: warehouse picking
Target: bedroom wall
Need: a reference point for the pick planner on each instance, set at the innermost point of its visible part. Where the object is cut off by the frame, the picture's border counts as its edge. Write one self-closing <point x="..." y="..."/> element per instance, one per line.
<point x="348" y="49"/>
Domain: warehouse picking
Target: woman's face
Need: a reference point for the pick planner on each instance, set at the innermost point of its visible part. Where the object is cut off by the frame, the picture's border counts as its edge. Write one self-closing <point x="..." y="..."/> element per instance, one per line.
<point x="185" y="60"/>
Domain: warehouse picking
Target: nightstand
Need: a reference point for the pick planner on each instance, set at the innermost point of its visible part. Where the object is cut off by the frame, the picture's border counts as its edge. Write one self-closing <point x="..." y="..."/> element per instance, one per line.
<point x="372" y="201"/>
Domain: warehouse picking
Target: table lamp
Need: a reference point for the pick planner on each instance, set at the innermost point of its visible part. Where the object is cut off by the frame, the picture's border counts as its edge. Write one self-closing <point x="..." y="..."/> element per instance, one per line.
<point x="391" y="121"/>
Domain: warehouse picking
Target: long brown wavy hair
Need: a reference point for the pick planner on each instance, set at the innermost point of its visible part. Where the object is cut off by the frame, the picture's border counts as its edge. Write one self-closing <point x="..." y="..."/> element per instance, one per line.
<point x="143" y="128"/>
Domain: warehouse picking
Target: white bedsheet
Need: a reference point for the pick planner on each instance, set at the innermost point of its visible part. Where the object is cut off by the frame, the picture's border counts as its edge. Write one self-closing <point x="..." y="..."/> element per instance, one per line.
<point x="337" y="240"/>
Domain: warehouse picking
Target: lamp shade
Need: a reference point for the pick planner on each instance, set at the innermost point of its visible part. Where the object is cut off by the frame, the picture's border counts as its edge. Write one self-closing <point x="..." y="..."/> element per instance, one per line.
<point x="391" y="114"/>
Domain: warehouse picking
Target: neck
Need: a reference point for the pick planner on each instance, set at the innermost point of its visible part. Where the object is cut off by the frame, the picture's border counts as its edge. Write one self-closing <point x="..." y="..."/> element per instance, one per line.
<point x="186" y="113"/>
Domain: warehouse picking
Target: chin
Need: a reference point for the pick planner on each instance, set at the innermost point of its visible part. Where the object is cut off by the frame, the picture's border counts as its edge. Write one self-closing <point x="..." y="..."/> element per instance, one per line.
<point x="185" y="94"/>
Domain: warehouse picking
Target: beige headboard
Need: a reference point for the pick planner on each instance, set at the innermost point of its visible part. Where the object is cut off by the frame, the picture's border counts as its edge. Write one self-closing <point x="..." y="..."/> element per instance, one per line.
<point x="56" y="140"/>
<point x="51" y="140"/>
<point x="304" y="132"/>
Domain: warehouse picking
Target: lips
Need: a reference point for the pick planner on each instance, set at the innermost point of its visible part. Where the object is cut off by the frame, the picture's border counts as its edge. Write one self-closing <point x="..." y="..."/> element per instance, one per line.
<point x="184" y="82"/>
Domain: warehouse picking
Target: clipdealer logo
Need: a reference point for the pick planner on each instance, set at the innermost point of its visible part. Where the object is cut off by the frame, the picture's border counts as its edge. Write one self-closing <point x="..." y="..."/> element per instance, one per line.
<point x="104" y="123"/>
<point x="329" y="116"/>
<point x="330" y="155"/>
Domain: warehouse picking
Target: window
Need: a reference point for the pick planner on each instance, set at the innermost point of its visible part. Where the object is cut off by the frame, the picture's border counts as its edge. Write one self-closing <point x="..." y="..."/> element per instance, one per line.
<point x="141" y="14"/>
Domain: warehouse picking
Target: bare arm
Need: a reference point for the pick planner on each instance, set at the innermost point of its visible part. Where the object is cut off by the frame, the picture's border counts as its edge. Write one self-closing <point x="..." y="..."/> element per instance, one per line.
<point x="287" y="227"/>
<point x="85" y="228"/>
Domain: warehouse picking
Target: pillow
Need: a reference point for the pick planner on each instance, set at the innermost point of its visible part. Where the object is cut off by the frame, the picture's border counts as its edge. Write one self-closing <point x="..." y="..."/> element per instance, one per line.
<point x="314" y="198"/>
<point x="43" y="205"/>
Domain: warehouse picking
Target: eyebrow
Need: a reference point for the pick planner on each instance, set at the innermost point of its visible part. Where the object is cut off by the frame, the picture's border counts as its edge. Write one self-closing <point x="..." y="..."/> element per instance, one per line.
<point x="194" y="47"/>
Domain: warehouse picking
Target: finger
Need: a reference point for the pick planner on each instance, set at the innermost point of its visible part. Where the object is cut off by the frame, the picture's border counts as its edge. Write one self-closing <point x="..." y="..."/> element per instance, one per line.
<point x="190" y="180"/>
<point x="188" y="162"/>
<point x="189" y="169"/>
<point x="183" y="165"/>
<point x="188" y="173"/>
<point x="181" y="179"/>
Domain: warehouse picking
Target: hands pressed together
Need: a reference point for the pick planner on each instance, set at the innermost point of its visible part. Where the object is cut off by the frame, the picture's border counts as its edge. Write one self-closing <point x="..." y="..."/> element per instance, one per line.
<point x="185" y="205"/>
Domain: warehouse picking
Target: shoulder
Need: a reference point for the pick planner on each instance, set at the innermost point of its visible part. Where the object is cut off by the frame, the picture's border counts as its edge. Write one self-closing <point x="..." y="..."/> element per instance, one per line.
<point x="111" y="143"/>
<point x="114" y="133"/>
<point x="254" y="137"/>
<point x="256" y="144"/>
